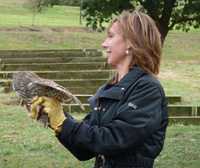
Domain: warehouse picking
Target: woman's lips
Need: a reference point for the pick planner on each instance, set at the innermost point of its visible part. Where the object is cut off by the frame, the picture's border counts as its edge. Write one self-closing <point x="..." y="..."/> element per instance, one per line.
<point x="108" y="53"/>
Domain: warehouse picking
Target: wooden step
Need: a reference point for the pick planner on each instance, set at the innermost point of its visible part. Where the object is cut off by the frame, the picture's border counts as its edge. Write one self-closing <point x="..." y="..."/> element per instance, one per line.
<point x="193" y="111"/>
<point x="75" y="90"/>
<point x="4" y="52"/>
<point x="81" y="82"/>
<point x="44" y="54"/>
<point x="71" y="82"/>
<point x="89" y="87"/>
<point x="49" y="53"/>
<point x="72" y="108"/>
<point x="84" y="98"/>
<point x="183" y="110"/>
<point x="79" y="86"/>
<point x="171" y="99"/>
<point x="86" y="74"/>
<point x="56" y="66"/>
<point x="194" y="120"/>
<point x="51" y="60"/>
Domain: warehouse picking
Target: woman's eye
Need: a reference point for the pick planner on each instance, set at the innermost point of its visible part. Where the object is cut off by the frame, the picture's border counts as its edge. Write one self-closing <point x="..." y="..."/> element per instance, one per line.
<point x="110" y="35"/>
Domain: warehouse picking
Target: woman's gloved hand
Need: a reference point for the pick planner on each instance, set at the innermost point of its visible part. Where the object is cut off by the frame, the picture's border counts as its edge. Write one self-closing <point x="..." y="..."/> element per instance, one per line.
<point x="36" y="101"/>
<point x="53" y="108"/>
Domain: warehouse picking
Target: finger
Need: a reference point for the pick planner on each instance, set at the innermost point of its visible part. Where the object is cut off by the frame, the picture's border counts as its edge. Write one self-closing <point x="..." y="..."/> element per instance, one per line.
<point x="50" y="99"/>
<point x="47" y="104"/>
<point x="38" y="102"/>
<point x="50" y="102"/>
<point x="47" y="98"/>
<point x="33" y="109"/>
<point x="32" y="115"/>
<point x="35" y="98"/>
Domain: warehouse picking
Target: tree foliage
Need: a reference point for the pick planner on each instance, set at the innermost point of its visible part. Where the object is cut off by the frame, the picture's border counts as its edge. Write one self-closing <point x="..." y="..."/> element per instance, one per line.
<point x="69" y="2"/>
<point x="38" y="6"/>
<point x="98" y="11"/>
<point x="168" y="14"/>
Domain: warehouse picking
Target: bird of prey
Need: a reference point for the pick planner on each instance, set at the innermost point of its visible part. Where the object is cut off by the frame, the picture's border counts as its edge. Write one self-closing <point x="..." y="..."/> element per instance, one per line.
<point x="27" y="85"/>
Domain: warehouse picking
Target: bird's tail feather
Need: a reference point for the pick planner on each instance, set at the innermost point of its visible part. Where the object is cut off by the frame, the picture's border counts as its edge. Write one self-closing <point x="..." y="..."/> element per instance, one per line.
<point x="78" y="102"/>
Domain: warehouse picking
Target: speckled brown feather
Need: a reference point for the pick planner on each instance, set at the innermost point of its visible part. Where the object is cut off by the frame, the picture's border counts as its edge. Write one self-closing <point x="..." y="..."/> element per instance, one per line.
<point x="27" y="85"/>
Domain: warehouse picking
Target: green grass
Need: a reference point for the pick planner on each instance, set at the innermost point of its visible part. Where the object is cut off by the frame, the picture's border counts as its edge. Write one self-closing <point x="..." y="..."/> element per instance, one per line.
<point x="14" y="14"/>
<point x="182" y="46"/>
<point x="181" y="78"/>
<point x="25" y="143"/>
<point x="49" y="40"/>
<point x="181" y="149"/>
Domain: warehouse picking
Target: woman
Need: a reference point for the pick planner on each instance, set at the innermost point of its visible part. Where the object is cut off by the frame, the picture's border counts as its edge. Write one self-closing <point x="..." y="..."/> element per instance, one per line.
<point x="128" y="119"/>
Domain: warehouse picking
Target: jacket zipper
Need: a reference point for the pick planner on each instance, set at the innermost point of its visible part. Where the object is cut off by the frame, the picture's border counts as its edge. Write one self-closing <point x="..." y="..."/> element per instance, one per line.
<point x="99" y="112"/>
<point x="99" y="108"/>
<point x="99" y="105"/>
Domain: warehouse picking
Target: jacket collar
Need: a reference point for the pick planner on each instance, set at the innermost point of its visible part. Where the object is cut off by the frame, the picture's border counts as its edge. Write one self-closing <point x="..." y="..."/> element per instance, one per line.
<point x="117" y="91"/>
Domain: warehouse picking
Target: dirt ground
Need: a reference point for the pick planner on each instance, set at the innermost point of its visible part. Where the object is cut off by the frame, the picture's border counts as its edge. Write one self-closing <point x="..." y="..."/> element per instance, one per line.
<point x="48" y="29"/>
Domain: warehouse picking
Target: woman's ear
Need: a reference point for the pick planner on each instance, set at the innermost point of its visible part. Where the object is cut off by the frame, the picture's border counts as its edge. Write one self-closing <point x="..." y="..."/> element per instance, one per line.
<point x="128" y="46"/>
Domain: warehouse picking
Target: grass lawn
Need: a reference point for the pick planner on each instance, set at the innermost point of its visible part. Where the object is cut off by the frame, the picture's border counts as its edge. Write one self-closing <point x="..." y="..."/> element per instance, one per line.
<point x="25" y="143"/>
<point x="13" y="13"/>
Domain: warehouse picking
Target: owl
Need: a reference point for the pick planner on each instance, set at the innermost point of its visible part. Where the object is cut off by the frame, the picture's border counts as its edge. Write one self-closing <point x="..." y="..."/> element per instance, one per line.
<point x="27" y="85"/>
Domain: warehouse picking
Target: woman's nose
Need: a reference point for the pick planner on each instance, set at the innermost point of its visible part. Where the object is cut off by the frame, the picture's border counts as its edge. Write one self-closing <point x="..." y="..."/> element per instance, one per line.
<point x="104" y="45"/>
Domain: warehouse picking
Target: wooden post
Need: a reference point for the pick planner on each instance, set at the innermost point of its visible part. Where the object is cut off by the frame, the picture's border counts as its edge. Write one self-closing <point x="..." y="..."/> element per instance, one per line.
<point x="81" y="12"/>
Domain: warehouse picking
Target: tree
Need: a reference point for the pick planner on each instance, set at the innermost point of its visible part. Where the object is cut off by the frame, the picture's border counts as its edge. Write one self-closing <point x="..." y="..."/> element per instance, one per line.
<point x="69" y="2"/>
<point x="38" y="6"/>
<point x="168" y="14"/>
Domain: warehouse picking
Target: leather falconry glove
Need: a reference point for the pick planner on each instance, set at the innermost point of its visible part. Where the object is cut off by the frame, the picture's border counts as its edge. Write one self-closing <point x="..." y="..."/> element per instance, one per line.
<point x="36" y="101"/>
<point x="54" y="110"/>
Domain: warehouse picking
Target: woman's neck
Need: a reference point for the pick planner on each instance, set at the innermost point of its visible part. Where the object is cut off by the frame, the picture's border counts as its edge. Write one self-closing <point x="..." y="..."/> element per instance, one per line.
<point x="122" y="73"/>
<point x="123" y="67"/>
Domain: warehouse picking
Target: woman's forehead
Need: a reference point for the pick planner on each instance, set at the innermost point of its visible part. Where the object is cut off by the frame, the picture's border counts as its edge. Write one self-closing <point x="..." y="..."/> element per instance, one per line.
<point x="114" y="28"/>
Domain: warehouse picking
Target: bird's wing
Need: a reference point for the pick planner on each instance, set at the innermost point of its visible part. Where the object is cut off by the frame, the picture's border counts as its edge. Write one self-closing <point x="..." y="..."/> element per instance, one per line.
<point x="62" y="94"/>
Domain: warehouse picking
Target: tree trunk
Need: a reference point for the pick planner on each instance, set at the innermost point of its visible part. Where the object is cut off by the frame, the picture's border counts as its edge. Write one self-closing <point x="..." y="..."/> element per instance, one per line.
<point x="163" y="21"/>
<point x="163" y="31"/>
<point x="81" y="12"/>
<point x="33" y="18"/>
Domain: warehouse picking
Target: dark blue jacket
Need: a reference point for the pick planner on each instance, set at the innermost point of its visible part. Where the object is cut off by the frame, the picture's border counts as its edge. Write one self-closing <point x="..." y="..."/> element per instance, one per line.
<point x="127" y="124"/>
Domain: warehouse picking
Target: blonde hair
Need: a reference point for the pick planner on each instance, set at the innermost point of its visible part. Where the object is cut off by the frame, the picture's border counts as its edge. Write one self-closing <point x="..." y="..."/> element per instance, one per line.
<point x="141" y="33"/>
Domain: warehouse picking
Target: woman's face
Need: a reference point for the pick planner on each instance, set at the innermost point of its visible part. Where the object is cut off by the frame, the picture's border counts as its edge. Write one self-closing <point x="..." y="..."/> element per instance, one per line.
<point x="115" y="45"/>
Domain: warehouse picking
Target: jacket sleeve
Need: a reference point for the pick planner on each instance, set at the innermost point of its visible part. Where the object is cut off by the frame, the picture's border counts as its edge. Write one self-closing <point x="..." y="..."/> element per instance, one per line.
<point x="129" y="127"/>
<point x="80" y="153"/>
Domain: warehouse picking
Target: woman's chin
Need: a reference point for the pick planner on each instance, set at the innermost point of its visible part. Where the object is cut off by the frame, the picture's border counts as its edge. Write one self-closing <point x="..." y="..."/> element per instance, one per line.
<point x="112" y="65"/>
